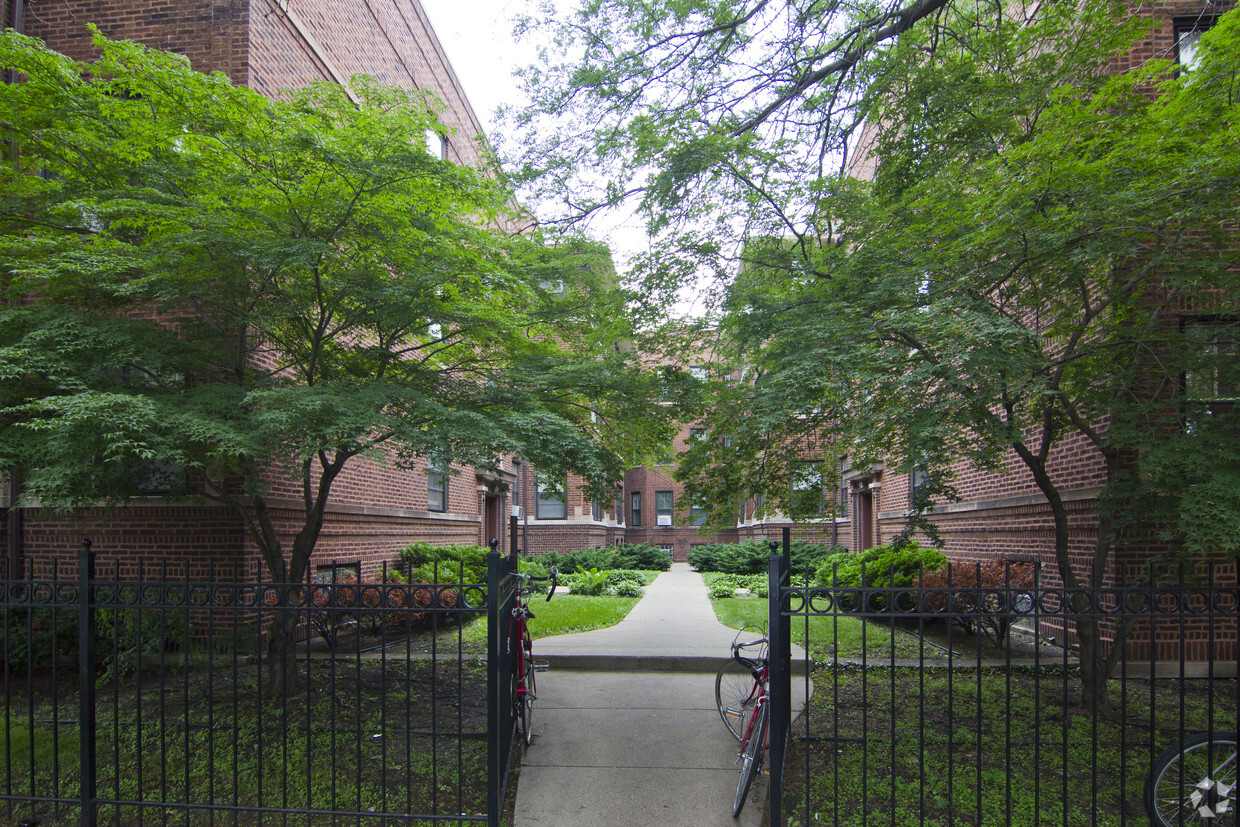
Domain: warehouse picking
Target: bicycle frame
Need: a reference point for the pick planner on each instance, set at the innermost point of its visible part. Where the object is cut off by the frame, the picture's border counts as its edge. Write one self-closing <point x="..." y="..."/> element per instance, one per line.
<point x="524" y="686"/>
<point x="756" y="737"/>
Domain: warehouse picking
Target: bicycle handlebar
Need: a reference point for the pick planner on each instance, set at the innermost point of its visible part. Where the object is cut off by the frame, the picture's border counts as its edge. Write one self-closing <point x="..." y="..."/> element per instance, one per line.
<point x="552" y="577"/>
<point x="750" y="664"/>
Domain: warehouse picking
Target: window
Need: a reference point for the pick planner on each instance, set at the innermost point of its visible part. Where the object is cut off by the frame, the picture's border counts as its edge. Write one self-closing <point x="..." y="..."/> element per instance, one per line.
<point x="596" y="512"/>
<point x="697" y="515"/>
<point x="619" y="503"/>
<point x="842" y="511"/>
<point x="436" y="483"/>
<point x="1212" y="380"/>
<point x="917" y="479"/>
<point x="635" y="508"/>
<point x="1188" y="31"/>
<point x="664" y="503"/>
<point x="697" y="435"/>
<point x="806" y="498"/>
<point x="552" y="504"/>
<point x="555" y="287"/>
<point x="437" y="144"/>
<point x="759" y="506"/>
<point x="517" y="471"/>
<point x="669" y="549"/>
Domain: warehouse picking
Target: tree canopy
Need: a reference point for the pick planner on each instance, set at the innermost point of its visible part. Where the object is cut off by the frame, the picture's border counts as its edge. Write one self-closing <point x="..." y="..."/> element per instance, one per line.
<point x="1042" y="258"/>
<point x="213" y="293"/>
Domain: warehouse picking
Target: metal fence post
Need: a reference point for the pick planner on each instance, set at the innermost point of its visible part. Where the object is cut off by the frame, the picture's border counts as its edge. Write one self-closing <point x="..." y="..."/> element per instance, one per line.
<point x="780" y="691"/>
<point x="88" y="793"/>
<point x="495" y="741"/>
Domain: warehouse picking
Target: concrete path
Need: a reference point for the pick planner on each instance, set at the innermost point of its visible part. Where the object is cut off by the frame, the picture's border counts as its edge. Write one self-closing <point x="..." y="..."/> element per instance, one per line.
<point x="626" y="729"/>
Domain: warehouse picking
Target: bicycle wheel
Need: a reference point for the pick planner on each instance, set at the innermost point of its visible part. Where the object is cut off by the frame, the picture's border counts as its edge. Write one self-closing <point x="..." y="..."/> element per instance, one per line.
<point x="735" y="693"/>
<point x="1194" y="783"/>
<point x="527" y="703"/>
<point x="751" y="759"/>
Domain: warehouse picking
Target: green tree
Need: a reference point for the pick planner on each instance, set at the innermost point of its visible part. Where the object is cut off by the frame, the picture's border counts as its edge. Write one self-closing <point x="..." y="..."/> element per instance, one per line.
<point x="1044" y="261"/>
<point x="232" y="293"/>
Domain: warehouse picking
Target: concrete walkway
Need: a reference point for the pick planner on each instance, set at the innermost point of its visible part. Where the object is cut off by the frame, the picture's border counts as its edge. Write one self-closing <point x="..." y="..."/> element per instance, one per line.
<point x="626" y="729"/>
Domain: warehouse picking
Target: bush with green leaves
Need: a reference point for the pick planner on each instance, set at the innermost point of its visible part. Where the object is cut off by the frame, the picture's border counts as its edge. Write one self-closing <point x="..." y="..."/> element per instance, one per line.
<point x="37" y="634"/>
<point x="445" y="564"/>
<point x="644" y="557"/>
<point x="625" y="583"/>
<point x="724" y="586"/>
<point x="130" y="640"/>
<point x="878" y="567"/>
<point x="753" y="556"/>
<point x="589" y="582"/>
<point x="609" y="583"/>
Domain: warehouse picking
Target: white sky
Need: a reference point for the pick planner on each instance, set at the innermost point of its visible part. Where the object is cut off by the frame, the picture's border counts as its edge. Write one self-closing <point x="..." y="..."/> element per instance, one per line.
<point x="477" y="36"/>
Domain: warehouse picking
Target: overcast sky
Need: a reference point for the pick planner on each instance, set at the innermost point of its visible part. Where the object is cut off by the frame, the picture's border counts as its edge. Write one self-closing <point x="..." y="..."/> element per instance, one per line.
<point x="477" y="35"/>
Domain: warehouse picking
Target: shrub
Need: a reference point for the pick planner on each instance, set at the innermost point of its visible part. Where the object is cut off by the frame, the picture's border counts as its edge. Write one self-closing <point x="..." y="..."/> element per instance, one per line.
<point x="37" y="634"/>
<point x="590" y="582"/>
<point x="752" y="556"/>
<point x="624" y="583"/>
<point x="725" y="586"/>
<point x="460" y="564"/>
<point x="757" y="584"/>
<point x="132" y="639"/>
<point x="877" y="567"/>
<point x="983" y="603"/>
<point x="645" y="557"/>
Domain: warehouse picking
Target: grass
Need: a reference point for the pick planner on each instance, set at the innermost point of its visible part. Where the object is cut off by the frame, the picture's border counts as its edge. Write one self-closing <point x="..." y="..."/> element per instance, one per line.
<point x="564" y="614"/>
<point x="830" y="636"/>
<point x="570" y="613"/>
<point x="360" y="737"/>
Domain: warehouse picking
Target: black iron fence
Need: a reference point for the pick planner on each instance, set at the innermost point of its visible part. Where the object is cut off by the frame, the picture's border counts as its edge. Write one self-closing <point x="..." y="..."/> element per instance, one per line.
<point x="989" y="704"/>
<point x="157" y="699"/>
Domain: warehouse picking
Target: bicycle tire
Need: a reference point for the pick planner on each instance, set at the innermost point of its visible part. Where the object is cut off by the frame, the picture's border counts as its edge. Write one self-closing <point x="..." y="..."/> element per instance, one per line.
<point x="735" y="693"/>
<point x="527" y="706"/>
<point x="1194" y="783"/>
<point x="750" y="760"/>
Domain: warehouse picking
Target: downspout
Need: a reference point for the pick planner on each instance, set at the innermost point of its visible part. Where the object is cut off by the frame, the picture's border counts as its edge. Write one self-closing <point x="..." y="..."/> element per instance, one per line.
<point x="525" y="513"/>
<point x="16" y="550"/>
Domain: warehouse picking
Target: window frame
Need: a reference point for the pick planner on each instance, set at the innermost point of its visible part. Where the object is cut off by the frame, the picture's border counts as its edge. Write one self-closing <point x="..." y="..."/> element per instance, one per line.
<point x="801" y="485"/>
<point x="437" y="469"/>
<point x="1183" y="25"/>
<point x="542" y="501"/>
<point x="668" y="511"/>
<point x="635" y="508"/>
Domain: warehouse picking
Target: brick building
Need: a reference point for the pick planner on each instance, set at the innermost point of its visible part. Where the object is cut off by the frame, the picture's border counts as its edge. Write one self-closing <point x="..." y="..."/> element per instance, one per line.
<point x="270" y="46"/>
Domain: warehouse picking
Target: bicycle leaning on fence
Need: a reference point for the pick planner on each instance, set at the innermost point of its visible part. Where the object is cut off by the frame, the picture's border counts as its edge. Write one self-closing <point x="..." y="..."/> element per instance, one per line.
<point x="1194" y="782"/>
<point x="740" y="694"/>
<point x="524" y="687"/>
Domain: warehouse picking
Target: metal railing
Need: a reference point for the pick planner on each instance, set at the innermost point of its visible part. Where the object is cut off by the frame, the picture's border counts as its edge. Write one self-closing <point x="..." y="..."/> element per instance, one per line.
<point x="916" y="717"/>
<point x="157" y="699"/>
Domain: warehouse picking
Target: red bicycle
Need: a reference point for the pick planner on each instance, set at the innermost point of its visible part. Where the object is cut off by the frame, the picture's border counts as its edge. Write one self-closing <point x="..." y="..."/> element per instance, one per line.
<point x="740" y="693"/>
<point x="524" y="687"/>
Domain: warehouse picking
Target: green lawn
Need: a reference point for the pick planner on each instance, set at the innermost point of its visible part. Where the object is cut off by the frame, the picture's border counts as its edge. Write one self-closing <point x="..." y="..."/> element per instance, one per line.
<point x="570" y="613"/>
<point x="829" y="636"/>
<point x="564" y="614"/>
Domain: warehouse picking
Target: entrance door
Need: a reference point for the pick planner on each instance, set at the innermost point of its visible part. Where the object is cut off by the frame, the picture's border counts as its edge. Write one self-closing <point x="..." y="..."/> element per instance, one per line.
<point x="492" y="524"/>
<point x="865" y="519"/>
